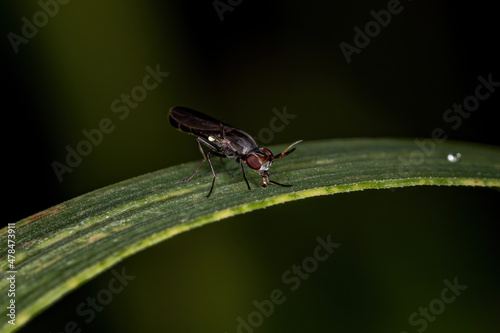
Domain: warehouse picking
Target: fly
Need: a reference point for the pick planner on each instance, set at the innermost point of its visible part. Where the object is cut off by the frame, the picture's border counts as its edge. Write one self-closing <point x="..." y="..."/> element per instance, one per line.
<point x="225" y="141"/>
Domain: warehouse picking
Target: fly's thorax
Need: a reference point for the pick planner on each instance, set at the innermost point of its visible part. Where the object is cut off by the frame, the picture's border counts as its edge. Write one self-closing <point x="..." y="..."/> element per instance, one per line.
<point x="239" y="141"/>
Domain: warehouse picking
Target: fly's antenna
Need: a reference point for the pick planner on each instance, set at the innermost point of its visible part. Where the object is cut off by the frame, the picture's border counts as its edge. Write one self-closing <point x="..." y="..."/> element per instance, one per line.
<point x="288" y="150"/>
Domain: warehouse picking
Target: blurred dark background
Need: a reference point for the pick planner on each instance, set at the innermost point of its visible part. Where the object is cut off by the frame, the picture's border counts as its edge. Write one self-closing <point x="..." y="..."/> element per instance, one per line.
<point x="397" y="246"/>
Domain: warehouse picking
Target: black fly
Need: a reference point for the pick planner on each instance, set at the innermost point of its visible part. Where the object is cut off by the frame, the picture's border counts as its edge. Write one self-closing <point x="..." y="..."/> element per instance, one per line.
<point x="225" y="141"/>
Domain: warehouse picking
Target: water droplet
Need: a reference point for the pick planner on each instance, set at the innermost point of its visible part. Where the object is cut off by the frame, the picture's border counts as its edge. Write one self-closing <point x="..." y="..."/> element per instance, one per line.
<point x="454" y="158"/>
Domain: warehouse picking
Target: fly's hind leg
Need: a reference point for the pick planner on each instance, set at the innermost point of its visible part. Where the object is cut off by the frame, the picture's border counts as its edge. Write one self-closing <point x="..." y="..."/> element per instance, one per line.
<point x="201" y="163"/>
<point x="206" y="157"/>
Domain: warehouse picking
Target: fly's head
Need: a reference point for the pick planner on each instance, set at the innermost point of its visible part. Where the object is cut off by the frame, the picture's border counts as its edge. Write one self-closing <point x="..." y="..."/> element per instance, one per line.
<point x="261" y="160"/>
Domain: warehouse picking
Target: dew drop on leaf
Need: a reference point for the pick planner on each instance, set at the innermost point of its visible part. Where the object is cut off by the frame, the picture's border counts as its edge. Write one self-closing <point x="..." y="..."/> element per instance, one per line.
<point x="454" y="158"/>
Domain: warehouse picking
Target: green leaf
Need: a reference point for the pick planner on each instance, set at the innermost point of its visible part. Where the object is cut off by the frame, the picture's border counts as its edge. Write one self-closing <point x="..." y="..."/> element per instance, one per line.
<point x="62" y="247"/>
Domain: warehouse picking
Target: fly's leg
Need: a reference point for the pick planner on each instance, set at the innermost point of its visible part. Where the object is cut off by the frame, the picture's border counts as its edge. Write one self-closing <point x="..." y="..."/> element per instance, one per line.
<point x="211" y="153"/>
<point x="276" y="183"/>
<point x="244" y="176"/>
<point x="206" y="157"/>
<point x="266" y="179"/>
<point x="199" y="166"/>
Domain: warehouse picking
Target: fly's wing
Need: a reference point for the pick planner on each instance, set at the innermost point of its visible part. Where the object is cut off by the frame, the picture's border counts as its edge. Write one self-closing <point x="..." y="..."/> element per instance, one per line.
<point x="196" y="123"/>
<point x="232" y="141"/>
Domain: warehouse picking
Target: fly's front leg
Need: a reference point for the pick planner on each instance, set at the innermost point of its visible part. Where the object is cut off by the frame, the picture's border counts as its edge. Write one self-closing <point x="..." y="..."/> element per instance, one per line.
<point x="278" y="184"/>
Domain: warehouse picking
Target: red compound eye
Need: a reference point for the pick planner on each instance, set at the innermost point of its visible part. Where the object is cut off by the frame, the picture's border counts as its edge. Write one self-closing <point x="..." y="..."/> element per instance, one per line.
<point x="267" y="152"/>
<point x="253" y="162"/>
